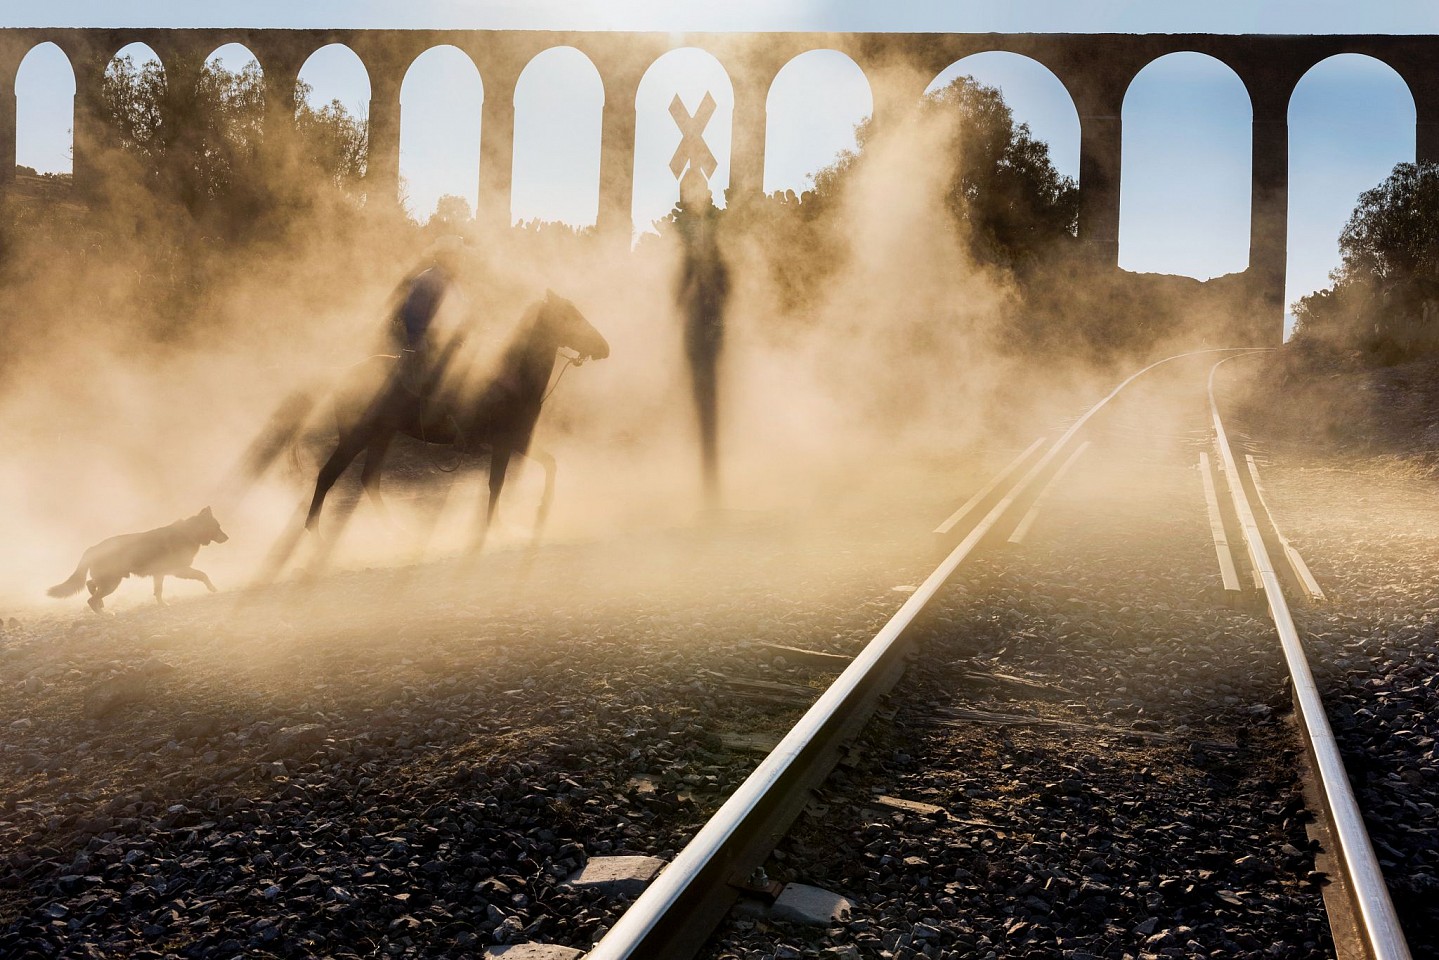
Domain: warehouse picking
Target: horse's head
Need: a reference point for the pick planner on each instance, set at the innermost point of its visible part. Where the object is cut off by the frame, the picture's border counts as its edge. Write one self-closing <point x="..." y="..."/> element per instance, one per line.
<point x="571" y="329"/>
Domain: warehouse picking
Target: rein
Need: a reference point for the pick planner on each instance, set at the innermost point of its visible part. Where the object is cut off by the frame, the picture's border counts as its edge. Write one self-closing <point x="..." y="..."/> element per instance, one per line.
<point x="570" y="361"/>
<point x="458" y="446"/>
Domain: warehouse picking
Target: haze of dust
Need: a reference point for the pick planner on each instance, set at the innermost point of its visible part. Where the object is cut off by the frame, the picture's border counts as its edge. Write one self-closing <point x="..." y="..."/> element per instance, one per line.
<point x="892" y="374"/>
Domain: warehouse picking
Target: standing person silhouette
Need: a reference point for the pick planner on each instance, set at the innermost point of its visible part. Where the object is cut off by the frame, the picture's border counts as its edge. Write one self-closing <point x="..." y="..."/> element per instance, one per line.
<point x="702" y="293"/>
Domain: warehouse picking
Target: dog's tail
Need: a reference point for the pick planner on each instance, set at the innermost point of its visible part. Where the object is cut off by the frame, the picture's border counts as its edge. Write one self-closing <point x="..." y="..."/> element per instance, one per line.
<point x="76" y="581"/>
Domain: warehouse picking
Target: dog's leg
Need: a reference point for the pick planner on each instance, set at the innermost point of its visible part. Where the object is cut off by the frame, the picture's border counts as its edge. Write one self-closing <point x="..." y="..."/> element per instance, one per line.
<point x="99" y="590"/>
<point x="190" y="573"/>
<point x="160" y="589"/>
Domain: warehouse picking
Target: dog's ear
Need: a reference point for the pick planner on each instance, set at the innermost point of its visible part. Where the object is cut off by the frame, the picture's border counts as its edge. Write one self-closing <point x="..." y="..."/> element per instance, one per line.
<point x="206" y="512"/>
<point x="549" y="295"/>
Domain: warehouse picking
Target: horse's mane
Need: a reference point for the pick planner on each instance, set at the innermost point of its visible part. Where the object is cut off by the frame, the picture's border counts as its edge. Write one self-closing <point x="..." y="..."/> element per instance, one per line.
<point x="505" y="357"/>
<point x="524" y="329"/>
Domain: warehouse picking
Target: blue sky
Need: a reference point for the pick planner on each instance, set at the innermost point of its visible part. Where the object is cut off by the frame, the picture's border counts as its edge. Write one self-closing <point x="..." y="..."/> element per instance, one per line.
<point x="1059" y="16"/>
<point x="1184" y="206"/>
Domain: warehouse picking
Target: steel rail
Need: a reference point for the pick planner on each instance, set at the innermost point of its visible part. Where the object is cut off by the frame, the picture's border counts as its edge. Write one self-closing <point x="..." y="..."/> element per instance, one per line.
<point x="1379" y="925"/>
<point x="669" y="920"/>
<point x="1032" y="514"/>
<point x="984" y="492"/>
<point x="1228" y="574"/>
<point x="1302" y="573"/>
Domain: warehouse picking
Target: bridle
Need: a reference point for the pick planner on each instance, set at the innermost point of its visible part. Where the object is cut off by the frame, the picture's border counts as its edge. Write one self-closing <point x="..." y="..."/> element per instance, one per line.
<point x="574" y="360"/>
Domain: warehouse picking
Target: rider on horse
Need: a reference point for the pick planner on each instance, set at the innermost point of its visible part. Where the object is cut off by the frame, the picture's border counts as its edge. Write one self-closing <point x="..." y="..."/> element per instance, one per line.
<point x="420" y="368"/>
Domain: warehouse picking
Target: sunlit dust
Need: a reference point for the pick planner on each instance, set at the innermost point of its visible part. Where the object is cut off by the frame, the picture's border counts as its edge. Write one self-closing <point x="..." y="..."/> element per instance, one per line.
<point x="892" y="383"/>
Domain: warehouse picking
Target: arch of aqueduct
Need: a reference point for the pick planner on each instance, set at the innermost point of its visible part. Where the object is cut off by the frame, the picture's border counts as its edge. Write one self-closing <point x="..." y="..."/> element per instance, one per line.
<point x="1096" y="69"/>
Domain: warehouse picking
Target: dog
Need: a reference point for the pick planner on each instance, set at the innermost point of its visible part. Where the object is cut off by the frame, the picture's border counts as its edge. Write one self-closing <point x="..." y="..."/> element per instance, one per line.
<point x="166" y="551"/>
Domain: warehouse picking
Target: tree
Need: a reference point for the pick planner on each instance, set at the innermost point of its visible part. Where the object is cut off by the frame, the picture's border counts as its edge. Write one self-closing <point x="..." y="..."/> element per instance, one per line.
<point x="334" y="144"/>
<point x="1004" y="189"/>
<point x="1393" y="234"/>
<point x="230" y="129"/>
<point x="1386" y="289"/>
<point x="135" y="97"/>
<point x="452" y="215"/>
<point x="194" y="187"/>
<point x="205" y="148"/>
<point x="1013" y="210"/>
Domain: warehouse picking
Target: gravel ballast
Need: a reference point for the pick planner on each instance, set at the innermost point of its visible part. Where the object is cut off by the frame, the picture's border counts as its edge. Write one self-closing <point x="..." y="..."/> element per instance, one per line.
<point x="1091" y="755"/>
<point x="1150" y="807"/>
<point x="404" y="762"/>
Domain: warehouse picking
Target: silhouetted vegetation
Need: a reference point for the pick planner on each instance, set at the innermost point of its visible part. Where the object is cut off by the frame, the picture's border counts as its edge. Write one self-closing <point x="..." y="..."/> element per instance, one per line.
<point x="452" y="215"/>
<point x="204" y="148"/>
<point x="1015" y="217"/>
<point x="205" y="184"/>
<point x="1005" y="194"/>
<point x="1384" y="303"/>
<point x="193" y="186"/>
<point x="1015" y="205"/>
<point x="1010" y="205"/>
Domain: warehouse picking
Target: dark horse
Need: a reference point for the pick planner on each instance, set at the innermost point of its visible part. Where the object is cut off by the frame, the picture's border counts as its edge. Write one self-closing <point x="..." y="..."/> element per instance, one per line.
<point x="498" y="413"/>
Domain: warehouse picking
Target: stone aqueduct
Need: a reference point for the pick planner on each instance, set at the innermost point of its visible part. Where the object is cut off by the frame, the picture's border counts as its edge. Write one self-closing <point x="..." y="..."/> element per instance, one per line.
<point x="1096" y="69"/>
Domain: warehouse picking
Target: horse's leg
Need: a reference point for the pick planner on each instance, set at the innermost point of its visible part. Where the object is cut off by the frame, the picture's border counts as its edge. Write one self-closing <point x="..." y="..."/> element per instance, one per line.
<point x="281" y="550"/>
<point x="499" y="460"/>
<point x="374" y="464"/>
<point x="547" y="463"/>
<point x="349" y="448"/>
<point x="325" y="547"/>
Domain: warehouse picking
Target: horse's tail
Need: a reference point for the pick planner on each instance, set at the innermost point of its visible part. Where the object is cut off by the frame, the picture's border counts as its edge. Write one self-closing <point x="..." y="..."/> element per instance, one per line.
<point x="76" y="581"/>
<point x="279" y="434"/>
<point x="288" y="423"/>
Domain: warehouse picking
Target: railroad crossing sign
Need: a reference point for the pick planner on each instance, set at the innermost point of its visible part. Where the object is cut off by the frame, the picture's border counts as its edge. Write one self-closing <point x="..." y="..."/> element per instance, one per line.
<point x="693" y="151"/>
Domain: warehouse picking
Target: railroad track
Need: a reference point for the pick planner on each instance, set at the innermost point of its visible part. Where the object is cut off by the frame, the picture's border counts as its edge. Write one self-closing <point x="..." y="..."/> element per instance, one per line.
<point x="1363" y="915"/>
<point x="676" y="915"/>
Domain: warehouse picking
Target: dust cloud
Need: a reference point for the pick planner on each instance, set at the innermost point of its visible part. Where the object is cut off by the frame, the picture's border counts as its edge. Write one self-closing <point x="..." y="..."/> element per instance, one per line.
<point x="122" y="412"/>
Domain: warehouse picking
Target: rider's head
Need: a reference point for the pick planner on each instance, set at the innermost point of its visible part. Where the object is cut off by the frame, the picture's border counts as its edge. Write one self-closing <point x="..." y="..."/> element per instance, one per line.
<point x="447" y="253"/>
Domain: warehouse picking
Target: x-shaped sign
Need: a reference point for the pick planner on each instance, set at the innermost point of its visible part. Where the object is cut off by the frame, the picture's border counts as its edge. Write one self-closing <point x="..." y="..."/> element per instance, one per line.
<point x="692" y="148"/>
